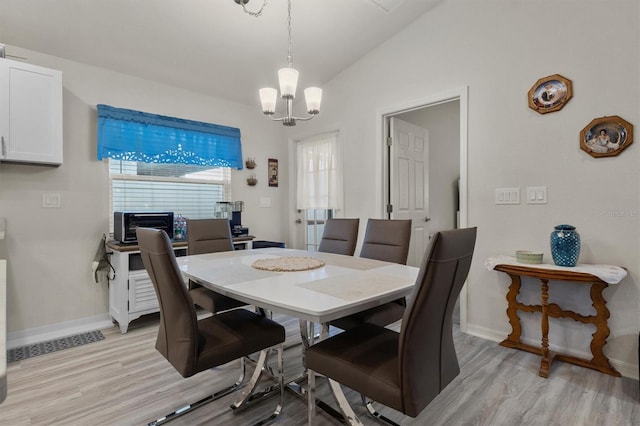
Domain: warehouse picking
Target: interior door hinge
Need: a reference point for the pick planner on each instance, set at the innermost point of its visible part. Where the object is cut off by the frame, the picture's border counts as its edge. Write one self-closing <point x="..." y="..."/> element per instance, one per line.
<point x="389" y="208"/>
<point x="389" y="141"/>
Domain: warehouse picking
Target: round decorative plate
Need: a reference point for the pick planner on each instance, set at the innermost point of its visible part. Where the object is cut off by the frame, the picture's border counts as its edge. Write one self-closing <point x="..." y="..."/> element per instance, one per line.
<point x="288" y="264"/>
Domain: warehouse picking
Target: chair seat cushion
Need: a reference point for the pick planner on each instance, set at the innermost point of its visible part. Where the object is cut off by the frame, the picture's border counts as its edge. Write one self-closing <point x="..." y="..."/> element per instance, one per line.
<point x="233" y="334"/>
<point x="382" y="316"/>
<point x="213" y="302"/>
<point x="364" y="359"/>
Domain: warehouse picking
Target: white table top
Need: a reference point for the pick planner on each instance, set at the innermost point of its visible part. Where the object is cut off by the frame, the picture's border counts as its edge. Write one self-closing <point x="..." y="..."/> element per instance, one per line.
<point x="345" y="285"/>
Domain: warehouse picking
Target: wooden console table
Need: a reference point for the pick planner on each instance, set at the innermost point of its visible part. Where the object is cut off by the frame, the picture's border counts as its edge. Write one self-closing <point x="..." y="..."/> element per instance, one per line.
<point x="546" y="273"/>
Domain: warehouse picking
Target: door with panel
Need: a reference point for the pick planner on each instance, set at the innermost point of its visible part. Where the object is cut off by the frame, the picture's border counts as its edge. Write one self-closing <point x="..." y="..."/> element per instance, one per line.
<point x="409" y="182"/>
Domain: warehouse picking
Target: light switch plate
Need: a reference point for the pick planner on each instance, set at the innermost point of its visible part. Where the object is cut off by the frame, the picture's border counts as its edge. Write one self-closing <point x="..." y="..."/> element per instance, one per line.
<point x="265" y="201"/>
<point x="51" y="199"/>
<point x="507" y="195"/>
<point x="536" y="195"/>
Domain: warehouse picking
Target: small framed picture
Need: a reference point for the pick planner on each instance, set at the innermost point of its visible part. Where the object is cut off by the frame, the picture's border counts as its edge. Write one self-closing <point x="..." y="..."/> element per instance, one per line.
<point x="550" y="94"/>
<point x="273" y="172"/>
<point x="606" y="136"/>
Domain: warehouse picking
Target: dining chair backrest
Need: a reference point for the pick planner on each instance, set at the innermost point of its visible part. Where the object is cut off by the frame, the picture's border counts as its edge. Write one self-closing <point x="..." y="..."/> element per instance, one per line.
<point x="209" y="236"/>
<point x="387" y="240"/>
<point x="177" y="337"/>
<point x="340" y="236"/>
<point x="427" y="355"/>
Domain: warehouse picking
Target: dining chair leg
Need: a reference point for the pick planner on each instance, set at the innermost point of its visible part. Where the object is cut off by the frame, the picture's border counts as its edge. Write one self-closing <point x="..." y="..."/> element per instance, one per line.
<point x="280" y="376"/>
<point x="217" y="395"/>
<point x="372" y="412"/>
<point x="248" y="394"/>
<point x="349" y="416"/>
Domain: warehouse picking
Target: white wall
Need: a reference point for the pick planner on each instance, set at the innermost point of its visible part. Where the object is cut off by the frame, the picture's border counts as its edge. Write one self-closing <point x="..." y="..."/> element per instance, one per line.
<point x="499" y="49"/>
<point x="49" y="251"/>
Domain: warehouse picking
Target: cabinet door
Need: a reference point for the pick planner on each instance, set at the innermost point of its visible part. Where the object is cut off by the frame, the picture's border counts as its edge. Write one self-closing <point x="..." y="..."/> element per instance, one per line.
<point x="30" y="113"/>
<point x="142" y="295"/>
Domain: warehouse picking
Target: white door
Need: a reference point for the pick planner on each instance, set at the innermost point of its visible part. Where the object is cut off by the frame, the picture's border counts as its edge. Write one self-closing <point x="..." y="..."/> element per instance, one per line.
<point x="409" y="182"/>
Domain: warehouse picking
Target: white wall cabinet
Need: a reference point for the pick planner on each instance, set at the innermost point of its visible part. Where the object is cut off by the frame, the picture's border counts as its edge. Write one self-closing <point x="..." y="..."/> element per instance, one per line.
<point x="30" y="113"/>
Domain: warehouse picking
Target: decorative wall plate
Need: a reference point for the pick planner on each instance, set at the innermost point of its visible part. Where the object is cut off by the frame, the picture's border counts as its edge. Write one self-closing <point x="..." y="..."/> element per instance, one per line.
<point x="550" y="94"/>
<point x="606" y="136"/>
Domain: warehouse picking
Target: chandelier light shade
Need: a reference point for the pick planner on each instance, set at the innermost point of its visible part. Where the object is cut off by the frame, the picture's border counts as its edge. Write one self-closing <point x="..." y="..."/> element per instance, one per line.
<point x="288" y="81"/>
<point x="288" y="78"/>
<point x="313" y="96"/>
<point x="268" y="97"/>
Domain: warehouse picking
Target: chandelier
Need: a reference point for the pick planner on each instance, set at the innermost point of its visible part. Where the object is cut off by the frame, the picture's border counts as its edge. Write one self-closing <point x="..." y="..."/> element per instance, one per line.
<point x="288" y="79"/>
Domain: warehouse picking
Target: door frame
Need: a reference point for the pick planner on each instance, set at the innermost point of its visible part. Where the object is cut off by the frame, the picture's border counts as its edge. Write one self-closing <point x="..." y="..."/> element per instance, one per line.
<point x="460" y="94"/>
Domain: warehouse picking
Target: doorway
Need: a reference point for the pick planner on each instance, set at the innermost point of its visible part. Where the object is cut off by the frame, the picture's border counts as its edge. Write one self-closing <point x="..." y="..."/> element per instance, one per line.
<point x="444" y="184"/>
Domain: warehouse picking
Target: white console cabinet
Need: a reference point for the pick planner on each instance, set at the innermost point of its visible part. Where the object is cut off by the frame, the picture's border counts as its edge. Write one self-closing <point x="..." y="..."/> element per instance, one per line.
<point x="30" y="113"/>
<point x="131" y="292"/>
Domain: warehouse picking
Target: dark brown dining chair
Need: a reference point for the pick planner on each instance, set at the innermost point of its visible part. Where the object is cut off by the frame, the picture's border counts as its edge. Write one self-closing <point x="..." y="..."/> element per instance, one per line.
<point x="386" y="240"/>
<point x="210" y="236"/>
<point x="340" y="236"/>
<point x="193" y="345"/>
<point x="404" y="370"/>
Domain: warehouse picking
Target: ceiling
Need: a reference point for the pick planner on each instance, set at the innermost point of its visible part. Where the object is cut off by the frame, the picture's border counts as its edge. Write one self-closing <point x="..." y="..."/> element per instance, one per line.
<point x="209" y="46"/>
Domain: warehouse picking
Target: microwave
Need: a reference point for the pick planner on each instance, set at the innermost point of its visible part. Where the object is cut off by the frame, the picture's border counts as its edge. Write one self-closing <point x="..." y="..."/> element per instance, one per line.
<point x="125" y="224"/>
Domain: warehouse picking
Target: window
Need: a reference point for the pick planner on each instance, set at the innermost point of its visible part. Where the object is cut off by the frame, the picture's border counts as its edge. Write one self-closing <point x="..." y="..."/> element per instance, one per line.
<point x="188" y="190"/>
<point x="319" y="184"/>
<point x="319" y="173"/>
<point x="315" y="227"/>
<point x="160" y="163"/>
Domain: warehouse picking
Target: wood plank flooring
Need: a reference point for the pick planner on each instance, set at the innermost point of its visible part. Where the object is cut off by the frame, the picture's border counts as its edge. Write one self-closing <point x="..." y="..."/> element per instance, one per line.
<point x="122" y="380"/>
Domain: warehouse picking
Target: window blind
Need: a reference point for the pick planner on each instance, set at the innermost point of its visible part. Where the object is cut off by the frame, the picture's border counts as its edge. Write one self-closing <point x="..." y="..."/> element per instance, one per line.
<point x="188" y="190"/>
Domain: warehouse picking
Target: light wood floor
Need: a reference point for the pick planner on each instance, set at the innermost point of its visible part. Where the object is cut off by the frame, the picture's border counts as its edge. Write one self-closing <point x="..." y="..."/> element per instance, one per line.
<point x="122" y="380"/>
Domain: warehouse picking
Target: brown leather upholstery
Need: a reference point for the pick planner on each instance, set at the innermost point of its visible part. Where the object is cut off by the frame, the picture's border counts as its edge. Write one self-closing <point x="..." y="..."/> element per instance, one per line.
<point x="386" y="240"/>
<point x="406" y="370"/>
<point x="190" y="345"/>
<point x="340" y="236"/>
<point x="210" y="236"/>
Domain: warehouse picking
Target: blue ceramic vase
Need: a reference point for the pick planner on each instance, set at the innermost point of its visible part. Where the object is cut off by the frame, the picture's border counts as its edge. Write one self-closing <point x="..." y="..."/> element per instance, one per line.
<point x="565" y="245"/>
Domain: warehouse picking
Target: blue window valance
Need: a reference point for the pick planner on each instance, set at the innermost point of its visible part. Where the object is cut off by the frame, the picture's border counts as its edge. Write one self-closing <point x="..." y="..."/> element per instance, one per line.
<point x="125" y="134"/>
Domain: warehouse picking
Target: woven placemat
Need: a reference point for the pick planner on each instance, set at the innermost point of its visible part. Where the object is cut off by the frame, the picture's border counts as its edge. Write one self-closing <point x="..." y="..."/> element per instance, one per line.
<point x="288" y="264"/>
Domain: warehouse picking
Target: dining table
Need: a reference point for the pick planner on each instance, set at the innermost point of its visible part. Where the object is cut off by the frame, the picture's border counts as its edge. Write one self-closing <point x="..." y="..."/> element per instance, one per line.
<point x="341" y="286"/>
<point x="329" y="286"/>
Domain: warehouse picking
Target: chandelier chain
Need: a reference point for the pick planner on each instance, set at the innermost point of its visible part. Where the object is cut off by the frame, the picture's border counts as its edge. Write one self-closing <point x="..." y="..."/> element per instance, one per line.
<point x="289" y="58"/>
<point x="255" y="14"/>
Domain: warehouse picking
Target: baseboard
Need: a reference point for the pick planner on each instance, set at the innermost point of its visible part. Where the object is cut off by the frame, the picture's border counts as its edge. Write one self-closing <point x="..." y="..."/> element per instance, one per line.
<point x="55" y="331"/>
<point x="627" y="369"/>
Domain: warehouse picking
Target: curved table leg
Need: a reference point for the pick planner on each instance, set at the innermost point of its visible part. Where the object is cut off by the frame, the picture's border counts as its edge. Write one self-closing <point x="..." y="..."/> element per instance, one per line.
<point x="599" y="338"/>
<point x="512" y="313"/>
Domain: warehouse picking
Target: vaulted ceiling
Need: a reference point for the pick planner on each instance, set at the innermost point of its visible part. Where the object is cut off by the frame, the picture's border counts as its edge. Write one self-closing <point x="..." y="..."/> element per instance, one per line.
<point x="209" y="46"/>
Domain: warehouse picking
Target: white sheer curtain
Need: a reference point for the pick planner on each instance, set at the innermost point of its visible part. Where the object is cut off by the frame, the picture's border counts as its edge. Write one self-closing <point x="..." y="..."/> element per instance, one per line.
<point x="319" y="173"/>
